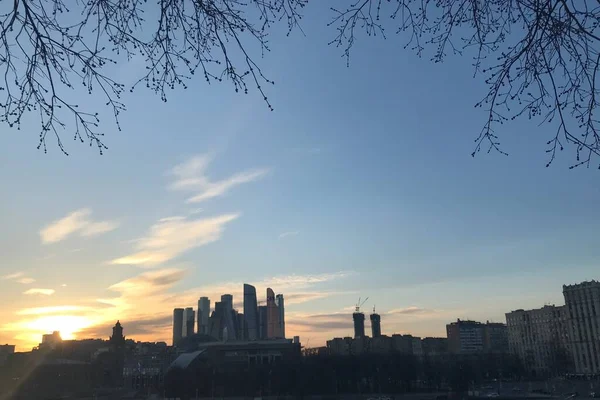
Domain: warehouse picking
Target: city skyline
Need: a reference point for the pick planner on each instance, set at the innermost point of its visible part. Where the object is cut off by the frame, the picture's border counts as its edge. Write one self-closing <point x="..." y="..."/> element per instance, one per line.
<point x="359" y="183"/>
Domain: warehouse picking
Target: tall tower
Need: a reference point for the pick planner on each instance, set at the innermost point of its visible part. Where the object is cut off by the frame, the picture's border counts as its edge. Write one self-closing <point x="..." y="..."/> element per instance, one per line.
<point x="251" y="311"/>
<point x="177" y="325"/>
<point x="227" y="301"/>
<point x="272" y="315"/>
<point x="188" y="322"/>
<point x="117" y="339"/>
<point x="280" y="305"/>
<point x="359" y="324"/>
<point x="262" y="322"/>
<point x="375" y="324"/>
<point x="203" y="315"/>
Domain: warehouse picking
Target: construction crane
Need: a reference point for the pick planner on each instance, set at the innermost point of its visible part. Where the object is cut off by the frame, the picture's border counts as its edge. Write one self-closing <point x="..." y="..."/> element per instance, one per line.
<point x="359" y="304"/>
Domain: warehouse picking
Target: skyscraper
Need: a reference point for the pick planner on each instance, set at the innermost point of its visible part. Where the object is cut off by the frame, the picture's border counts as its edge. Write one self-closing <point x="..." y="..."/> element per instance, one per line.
<point x="188" y="322"/>
<point x="262" y="322"/>
<point x="251" y="311"/>
<point x="227" y="301"/>
<point x="203" y="315"/>
<point x="359" y="324"/>
<point x="272" y="315"/>
<point x="280" y="306"/>
<point x="375" y="324"/>
<point x="177" y="325"/>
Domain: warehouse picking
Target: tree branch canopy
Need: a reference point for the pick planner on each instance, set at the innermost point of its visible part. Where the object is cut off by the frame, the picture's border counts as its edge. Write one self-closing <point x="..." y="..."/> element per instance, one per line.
<point x="539" y="58"/>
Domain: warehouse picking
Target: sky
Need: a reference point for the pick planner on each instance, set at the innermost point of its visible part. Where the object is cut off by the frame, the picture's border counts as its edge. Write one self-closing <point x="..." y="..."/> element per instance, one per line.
<point x="359" y="184"/>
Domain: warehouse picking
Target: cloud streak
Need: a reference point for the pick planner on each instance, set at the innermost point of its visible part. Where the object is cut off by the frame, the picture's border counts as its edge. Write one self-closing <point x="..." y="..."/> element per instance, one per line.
<point x="12" y="276"/>
<point x="191" y="176"/>
<point x="171" y="237"/>
<point x="77" y="222"/>
<point x="45" y="292"/>
<point x="18" y="277"/>
<point x="286" y="234"/>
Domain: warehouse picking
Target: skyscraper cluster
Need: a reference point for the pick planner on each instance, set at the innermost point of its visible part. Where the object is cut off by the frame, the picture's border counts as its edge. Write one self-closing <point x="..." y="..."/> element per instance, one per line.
<point x="224" y="322"/>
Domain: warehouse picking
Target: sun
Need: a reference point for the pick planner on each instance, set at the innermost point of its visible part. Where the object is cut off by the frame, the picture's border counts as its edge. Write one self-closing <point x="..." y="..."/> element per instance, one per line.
<point x="67" y="325"/>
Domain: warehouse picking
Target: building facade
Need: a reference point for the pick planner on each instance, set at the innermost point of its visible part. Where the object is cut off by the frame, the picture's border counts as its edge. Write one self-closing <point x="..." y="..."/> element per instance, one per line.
<point x="375" y="325"/>
<point x="281" y="308"/>
<point x="203" y="315"/>
<point x="272" y="316"/>
<point x="539" y="338"/>
<point x="262" y="322"/>
<point x="470" y="337"/>
<point x="189" y="322"/>
<point x="434" y="346"/>
<point x="177" y="325"/>
<point x="251" y="311"/>
<point x="582" y="302"/>
<point x="359" y="324"/>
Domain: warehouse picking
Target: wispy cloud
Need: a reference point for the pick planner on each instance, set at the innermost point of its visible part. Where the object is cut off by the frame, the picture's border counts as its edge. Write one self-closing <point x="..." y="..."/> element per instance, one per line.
<point x="12" y="276"/>
<point x="170" y="237"/>
<point x="18" y="277"/>
<point x="191" y="176"/>
<point x="149" y="283"/>
<point x="77" y="222"/>
<point x="286" y="234"/>
<point x="45" y="292"/>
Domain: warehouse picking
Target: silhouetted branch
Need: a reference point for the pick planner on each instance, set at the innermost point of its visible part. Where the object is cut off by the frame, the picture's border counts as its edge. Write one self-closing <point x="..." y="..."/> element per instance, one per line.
<point x="540" y="57"/>
<point x="46" y="46"/>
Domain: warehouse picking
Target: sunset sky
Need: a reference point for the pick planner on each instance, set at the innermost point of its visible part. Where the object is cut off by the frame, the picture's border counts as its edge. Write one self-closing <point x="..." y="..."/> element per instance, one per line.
<point x="360" y="183"/>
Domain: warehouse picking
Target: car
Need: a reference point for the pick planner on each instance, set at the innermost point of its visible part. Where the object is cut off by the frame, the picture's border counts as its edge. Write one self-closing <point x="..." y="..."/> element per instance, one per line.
<point x="493" y="395"/>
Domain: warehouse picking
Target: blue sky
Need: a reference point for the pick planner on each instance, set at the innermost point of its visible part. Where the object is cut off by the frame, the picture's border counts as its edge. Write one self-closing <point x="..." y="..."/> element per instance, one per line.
<point x="360" y="183"/>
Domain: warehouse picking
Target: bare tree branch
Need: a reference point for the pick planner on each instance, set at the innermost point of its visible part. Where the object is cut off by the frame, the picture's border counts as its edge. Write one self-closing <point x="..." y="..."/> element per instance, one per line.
<point x="46" y="46"/>
<point x="540" y="57"/>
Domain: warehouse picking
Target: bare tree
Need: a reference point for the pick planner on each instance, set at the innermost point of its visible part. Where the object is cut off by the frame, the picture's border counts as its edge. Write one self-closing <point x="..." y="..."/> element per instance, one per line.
<point x="539" y="57"/>
<point x="49" y="46"/>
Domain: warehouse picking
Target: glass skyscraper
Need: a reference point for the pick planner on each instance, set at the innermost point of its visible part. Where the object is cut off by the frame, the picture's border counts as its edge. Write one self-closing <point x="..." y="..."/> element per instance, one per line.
<point x="251" y="311"/>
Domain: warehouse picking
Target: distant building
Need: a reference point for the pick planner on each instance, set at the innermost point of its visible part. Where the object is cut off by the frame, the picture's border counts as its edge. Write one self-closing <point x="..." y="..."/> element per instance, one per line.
<point x="187" y="367"/>
<point x="417" y="348"/>
<point x="359" y="324"/>
<point x="539" y="338"/>
<point x="189" y="322"/>
<point x="583" y="309"/>
<point x="177" y="325"/>
<point x="5" y="351"/>
<point x="402" y="343"/>
<point x="262" y="322"/>
<point x="203" y="315"/>
<point x="465" y="337"/>
<point x="50" y="340"/>
<point x="251" y="311"/>
<point x="375" y="325"/>
<point x="227" y="301"/>
<point x="272" y="316"/>
<point x="495" y="337"/>
<point x="381" y="344"/>
<point x="469" y="337"/>
<point x="281" y="308"/>
<point x="434" y="346"/>
<point x="117" y="339"/>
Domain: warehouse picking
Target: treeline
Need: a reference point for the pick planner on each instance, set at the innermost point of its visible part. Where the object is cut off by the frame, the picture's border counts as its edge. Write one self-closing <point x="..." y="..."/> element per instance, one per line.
<point x="332" y="375"/>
